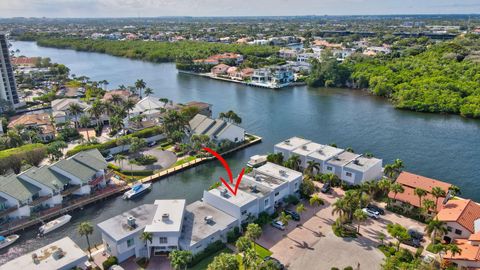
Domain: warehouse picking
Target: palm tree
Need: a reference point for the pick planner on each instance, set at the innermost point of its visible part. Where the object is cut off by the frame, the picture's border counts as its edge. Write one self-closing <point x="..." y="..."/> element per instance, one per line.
<point x="146" y="237"/>
<point x="250" y="259"/>
<point x="224" y="261"/>
<point x="389" y="171"/>
<point x="97" y="110"/>
<point x="284" y="218"/>
<point x="300" y="209"/>
<point x="438" y="192"/>
<point x="254" y="231"/>
<point x="84" y="122"/>
<point x="164" y="100"/>
<point x="435" y="228"/>
<point x="384" y="185"/>
<point x="116" y="123"/>
<point x="428" y="205"/>
<point x="312" y="166"/>
<point x="75" y="110"/>
<point x="129" y="105"/>
<point x="359" y="216"/>
<point x="119" y="158"/>
<point x="381" y="236"/>
<point x="140" y="85"/>
<point x="350" y="149"/>
<point x="316" y="201"/>
<point x="122" y="87"/>
<point x="293" y="163"/>
<point x="454" y="249"/>
<point x="340" y="207"/>
<point x="243" y="243"/>
<point x="148" y="91"/>
<point x="179" y="258"/>
<point x="455" y="190"/>
<point x="86" y="229"/>
<point x="420" y="193"/>
<point x="396" y="188"/>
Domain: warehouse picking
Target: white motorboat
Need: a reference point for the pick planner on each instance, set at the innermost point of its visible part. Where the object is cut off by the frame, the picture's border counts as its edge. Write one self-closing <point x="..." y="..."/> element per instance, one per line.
<point x="54" y="224"/>
<point x="137" y="190"/>
<point x="7" y="241"/>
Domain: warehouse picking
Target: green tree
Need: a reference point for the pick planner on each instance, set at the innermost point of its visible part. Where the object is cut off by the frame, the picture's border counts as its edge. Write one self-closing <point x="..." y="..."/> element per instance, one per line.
<point x="435" y="228"/>
<point x="284" y="218"/>
<point x="301" y="208"/>
<point x="180" y="258"/>
<point x="420" y="193"/>
<point x="398" y="232"/>
<point x="146" y="237"/>
<point x="316" y="201"/>
<point x="254" y="231"/>
<point x="312" y="167"/>
<point x="86" y="229"/>
<point x="140" y="85"/>
<point x="438" y="192"/>
<point x="360" y="217"/>
<point x="224" y="261"/>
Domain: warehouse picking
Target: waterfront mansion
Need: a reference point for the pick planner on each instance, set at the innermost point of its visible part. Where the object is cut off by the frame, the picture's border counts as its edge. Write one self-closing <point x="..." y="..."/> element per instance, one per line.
<point x="175" y="225"/>
<point x="349" y="167"/>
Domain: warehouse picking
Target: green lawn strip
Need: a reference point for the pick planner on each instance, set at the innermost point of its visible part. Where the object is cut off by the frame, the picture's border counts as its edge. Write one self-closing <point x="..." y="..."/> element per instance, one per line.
<point x="183" y="161"/>
<point x="262" y="252"/>
<point x="202" y="265"/>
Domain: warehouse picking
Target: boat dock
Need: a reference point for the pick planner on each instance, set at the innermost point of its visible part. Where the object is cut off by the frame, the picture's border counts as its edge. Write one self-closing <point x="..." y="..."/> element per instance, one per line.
<point x="119" y="189"/>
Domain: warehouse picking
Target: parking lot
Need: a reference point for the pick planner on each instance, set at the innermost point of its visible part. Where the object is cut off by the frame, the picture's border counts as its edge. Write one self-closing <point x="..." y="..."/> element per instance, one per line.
<point x="312" y="242"/>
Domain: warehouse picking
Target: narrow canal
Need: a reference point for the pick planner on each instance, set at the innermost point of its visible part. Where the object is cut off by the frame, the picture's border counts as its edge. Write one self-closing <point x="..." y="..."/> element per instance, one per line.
<point x="439" y="146"/>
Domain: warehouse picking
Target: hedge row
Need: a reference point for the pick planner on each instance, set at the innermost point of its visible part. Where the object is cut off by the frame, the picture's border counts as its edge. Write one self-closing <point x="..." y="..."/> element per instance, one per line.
<point x="13" y="158"/>
<point x="148" y="132"/>
<point x="208" y="251"/>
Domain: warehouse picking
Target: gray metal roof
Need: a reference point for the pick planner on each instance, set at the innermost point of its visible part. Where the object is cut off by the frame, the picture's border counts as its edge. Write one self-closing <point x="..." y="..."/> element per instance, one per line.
<point x="17" y="188"/>
<point x="91" y="158"/>
<point x="47" y="176"/>
<point x="83" y="165"/>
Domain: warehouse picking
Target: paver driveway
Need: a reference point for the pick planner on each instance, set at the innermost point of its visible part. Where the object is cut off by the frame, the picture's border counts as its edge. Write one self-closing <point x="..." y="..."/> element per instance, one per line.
<point x="311" y="242"/>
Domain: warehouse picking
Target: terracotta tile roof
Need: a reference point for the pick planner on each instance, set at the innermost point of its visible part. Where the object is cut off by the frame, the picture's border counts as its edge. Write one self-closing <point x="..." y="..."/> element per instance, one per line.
<point x="41" y="120"/>
<point x="122" y="93"/>
<point x="410" y="181"/>
<point x="464" y="212"/>
<point x="474" y="237"/>
<point x="24" y="61"/>
<point x="469" y="251"/>
<point x="417" y="181"/>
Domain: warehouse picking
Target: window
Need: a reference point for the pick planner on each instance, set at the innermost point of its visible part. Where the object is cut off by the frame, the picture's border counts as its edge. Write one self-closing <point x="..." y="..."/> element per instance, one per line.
<point x="276" y="193"/>
<point x="267" y="202"/>
<point x="244" y="212"/>
<point x="449" y="228"/>
<point x="329" y="168"/>
<point x="457" y="231"/>
<point x="130" y="242"/>
<point x="163" y="240"/>
<point x="349" y="174"/>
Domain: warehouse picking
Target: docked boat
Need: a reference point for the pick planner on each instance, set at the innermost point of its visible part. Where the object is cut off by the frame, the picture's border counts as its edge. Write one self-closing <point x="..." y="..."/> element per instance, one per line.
<point x="137" y="190"/>
<point x="7" y="241"/>
<point x="54" y="224"/>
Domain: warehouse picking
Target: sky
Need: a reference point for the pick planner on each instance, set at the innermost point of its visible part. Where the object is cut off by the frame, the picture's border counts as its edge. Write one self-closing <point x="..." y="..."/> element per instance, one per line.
<point x="153" y="8"/>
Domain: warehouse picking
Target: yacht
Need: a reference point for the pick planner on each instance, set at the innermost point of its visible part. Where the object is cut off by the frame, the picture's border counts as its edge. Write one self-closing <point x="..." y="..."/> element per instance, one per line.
<point x="54" y="224"/>
<point x="137" y="190"/>
<point x="6" y="241"/>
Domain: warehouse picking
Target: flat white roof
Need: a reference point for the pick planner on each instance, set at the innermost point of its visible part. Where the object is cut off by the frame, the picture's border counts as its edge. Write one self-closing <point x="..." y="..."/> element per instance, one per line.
<point x="307" y="148"/>
<point x="325" y="153"/>
<point x="343" y="159"/>
<point x="168" y="217"/>
<point x="242" y="198"/>
<point x="292" y="143"/>
<point x="279" y="172"/>
<point x="363" y="163"/>
<point x="70" y="251"/>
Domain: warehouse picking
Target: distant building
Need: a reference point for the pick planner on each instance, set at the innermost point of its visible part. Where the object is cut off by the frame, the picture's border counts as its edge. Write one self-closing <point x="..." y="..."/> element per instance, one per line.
<point x="63" y="254"/>
<point x="220" y="69"/>
<point x="40" y="122"/>
<point x="8" y="87"/>
<point x="216" y="129"/>
<point x="61" y="110"/>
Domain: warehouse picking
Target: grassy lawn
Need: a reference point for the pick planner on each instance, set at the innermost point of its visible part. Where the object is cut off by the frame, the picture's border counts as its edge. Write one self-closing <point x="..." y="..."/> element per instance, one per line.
<point x="262" y="252"/>
<point x="183" y="161"/>
<point x="202" y="265"/>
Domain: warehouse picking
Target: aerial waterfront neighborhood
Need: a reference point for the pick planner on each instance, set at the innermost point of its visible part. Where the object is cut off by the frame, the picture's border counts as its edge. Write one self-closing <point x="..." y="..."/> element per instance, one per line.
<point x="220" y="137"/>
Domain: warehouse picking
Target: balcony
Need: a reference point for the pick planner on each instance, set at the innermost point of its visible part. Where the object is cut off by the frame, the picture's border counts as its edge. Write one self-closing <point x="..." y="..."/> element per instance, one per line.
<point x="70" y="189"/>
<point x="7" y="211"/>
<point x="39" y="200"/>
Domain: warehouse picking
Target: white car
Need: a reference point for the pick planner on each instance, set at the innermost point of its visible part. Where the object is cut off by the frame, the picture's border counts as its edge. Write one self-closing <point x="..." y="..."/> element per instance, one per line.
<point x="371" y="213"/>
<point x="278" y="224"/>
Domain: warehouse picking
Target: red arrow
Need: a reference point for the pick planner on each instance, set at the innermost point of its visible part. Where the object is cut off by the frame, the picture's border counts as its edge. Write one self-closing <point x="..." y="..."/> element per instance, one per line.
<point x="227" y="168"/>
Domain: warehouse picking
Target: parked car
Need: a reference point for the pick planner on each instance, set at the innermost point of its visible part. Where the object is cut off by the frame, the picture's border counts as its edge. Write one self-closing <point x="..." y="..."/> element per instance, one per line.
<point x="279" y="265"/>
<point x="109" y="158"/>
<point x="415" y="234"/>
<point x="295" y="216"/>
<point x="376" y="209"/>
<point x="326" y="188"/>
<point x="413" y="242"/>
<point x="370" y="213"/>
<point x="278" y="224"/>
<point x="152" y="143"/>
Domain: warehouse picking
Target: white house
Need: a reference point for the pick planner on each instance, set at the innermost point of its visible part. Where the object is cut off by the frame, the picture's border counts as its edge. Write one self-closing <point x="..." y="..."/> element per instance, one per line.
<point x="362" y="169"/>
<point x="216" y="129"/>
<point x="286" y="147"/>
<point x="61" y="109"/>
<point x="322" y="155"/>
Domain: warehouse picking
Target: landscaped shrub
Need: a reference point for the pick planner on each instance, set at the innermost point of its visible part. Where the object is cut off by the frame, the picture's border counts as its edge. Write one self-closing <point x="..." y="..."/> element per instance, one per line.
<point x="112" y="260"/>
<point x="233" y="235"/>
<point x="291" y="199"/>
<point x="137" y="173"/>
<point x="209" y="250"/>
<point x="348" y="268"/>
<point x="144" y="160"/>
<point x="13" y="158"/>
<point x="263" y="219"/>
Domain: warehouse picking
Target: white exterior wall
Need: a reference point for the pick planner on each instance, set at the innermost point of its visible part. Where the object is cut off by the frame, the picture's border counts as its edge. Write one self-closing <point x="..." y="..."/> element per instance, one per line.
<point x="374" y="173"/>
<point x="120" y="249"/>
<point x="23" y="211"/>
<point x="350" y="179"/>
<point x="286" y="154"/>
<point x="455" y="226"/>
<point x="464" y="264"/>
<point x="172" y="240"/>
<point x="84" y="190"/>
<point x="223" y="205"/>
<point x="44" y="190"/>
<point x="55" y="200"/>
<point x="294" y="185"/>
<point x="283" y="191"/>
<point x="73" y="179"/>
<point x="10" y="200"/>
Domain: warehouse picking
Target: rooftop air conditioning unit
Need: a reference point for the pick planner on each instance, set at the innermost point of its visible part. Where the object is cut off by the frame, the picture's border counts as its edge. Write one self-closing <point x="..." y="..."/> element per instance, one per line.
<point x="131" y="221"/>
<point x="282" y="173"/>
<point x="224" y="193"/>
<point x="165" y="216"/>
<point x="208" y="219"/>
<point x="304" y="147"/>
